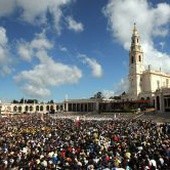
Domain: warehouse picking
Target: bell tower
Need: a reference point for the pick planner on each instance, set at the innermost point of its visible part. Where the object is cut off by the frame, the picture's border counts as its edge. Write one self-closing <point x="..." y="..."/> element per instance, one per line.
<point x="136" y="66"/>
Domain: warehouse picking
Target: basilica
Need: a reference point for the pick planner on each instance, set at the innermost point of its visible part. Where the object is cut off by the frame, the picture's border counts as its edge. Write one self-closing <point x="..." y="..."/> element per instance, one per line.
<point x="144" y="82"/>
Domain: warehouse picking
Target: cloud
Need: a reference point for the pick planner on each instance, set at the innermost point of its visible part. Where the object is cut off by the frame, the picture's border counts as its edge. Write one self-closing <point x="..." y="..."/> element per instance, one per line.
<point x="48" y="73"/>
<point x="122" y="86"/>
<point x="36" y="91"/>
<point x="93" y="64"/>
<point x="3" y="37"/>
<point x="6" y="7"/>
<point x="33" y="12"/>
<point x="36" y="12"/>
<point x="74" y="25"/>
<point x="108" y="93"/>
<point x="118" y="89"/>
<point x="63" y="49"/>
<point x="27" y="50"/>
<point x="162" y="45"/>
<point x="152" y="22"/>
<point x="5" y="60"/>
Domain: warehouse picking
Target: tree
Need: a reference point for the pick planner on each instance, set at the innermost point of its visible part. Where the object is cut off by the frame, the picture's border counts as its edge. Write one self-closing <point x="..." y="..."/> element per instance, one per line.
<point x="117" y="97"/>
<point x="31" y="101"/>
<point x="22" y="100"/>
<point x="15" y="101"/>
<point x="51" y="101"/>
<point x="98" y="95"/>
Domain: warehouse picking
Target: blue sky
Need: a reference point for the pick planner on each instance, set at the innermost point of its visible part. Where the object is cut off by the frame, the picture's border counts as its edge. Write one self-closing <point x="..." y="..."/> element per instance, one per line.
<point x="75" y="48"/>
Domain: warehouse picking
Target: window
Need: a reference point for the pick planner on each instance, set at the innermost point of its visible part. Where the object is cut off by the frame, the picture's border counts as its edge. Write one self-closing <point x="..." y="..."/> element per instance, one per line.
<point x="140" y="83"/>
<point x="167" y="82"/>
<point x="165" y="101"/>
<point x="139" y="58"/>
<point x="132" y="60"/>
<point x="158" y="83"/>
<point x="148" y="98"/>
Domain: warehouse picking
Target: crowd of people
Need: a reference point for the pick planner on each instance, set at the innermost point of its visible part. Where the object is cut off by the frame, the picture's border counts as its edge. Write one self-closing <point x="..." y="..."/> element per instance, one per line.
<point x="36" y="142"/>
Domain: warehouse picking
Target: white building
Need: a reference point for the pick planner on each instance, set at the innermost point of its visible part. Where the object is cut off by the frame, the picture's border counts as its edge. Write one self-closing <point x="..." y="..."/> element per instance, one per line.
<point x="143" y="83"/>
<point x="162" y="100"/>
<point x="17" y="108"/>
<point x="73" y="105"/>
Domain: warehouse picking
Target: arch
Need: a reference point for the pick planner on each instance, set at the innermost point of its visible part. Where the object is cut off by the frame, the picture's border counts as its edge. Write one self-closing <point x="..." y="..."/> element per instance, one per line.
<point x="37" y="108"/>
<point x="41" y="108"/>
<point x="51" y="107"/>
<point x="20" y="109"/>
<point x="142" y="98"/>
<point x="15" y="108"/>
<point x="31" y="108"/>
<point x="47" y="108"/>
<point x="57" y="107"/>
<point x="26" y="108"/>
<point x="148" y="98"/>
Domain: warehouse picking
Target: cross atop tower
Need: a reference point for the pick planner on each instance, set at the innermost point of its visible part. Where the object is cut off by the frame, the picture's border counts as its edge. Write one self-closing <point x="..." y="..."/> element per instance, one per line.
<point x="135" y="32"/>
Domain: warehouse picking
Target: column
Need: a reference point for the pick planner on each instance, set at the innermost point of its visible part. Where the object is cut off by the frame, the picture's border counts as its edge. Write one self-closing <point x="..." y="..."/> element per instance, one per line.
<point x="66" y="106"/>
<point x="97" y="106"/>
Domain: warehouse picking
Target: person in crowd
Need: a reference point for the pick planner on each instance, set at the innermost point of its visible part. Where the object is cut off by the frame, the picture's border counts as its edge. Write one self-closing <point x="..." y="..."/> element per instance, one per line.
<point x="28" y="142"/>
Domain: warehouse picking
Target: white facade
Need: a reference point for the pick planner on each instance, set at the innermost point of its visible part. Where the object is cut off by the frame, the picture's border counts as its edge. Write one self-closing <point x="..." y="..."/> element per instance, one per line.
<point x="16" y="108"/>
<point x="153" y="80"/>
<point x="79" y="105"/>
<point x="143" y="83"/>
<point x="162" y="100"/>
